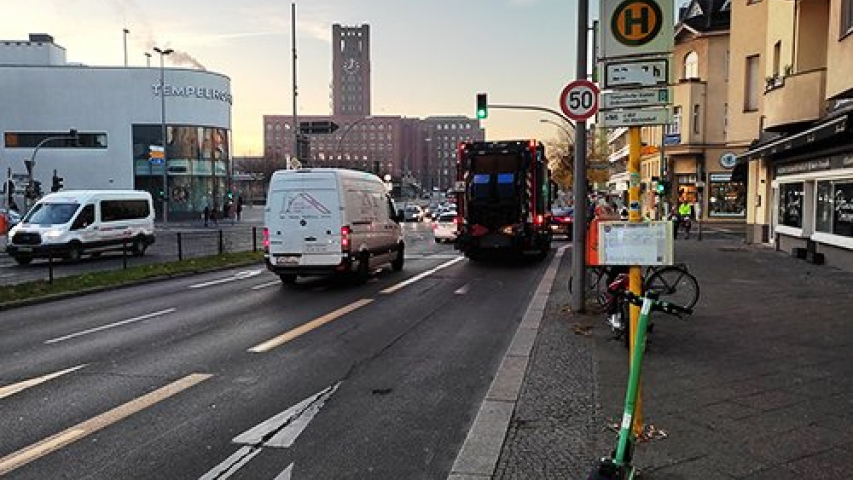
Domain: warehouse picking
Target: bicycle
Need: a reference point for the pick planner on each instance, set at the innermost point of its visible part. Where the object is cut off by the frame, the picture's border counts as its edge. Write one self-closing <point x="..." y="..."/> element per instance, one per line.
<point x="618" y="466"/>
<point x="674" y="284"/>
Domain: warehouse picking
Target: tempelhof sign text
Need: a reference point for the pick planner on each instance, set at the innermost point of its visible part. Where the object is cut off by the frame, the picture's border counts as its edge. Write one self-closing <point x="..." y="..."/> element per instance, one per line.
<point x="194" y="92"/>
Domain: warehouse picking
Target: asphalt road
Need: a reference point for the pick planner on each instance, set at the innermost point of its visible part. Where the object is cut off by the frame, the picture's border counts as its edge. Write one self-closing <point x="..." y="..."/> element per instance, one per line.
<point x="230" y="375"/>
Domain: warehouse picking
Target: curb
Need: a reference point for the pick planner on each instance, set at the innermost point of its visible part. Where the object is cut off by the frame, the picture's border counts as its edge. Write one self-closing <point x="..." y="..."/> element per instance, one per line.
<point x="481" y="450"/>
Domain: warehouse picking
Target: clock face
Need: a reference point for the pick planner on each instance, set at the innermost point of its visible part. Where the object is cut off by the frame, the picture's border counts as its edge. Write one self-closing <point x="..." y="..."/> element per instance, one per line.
<point x="351" y="65"/>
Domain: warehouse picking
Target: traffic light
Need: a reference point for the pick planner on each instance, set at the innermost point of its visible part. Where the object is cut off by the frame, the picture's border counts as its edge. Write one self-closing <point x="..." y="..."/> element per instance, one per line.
<point x="10" y="191"/>
<point x="663" y="187"/>
<point x="482" y="106"/>
<point x="37" y="189"/>
<point x="58" y="183"/>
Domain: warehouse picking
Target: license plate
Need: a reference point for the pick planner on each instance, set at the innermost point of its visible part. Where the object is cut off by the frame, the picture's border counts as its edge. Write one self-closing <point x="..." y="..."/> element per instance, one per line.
<point x="315" y="248"/>
<point x="287" y="260"/>
<point x="25" y="249"/>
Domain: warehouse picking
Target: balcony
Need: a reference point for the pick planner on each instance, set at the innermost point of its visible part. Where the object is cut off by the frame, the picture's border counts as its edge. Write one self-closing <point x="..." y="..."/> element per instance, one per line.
<point x="795" y="99"/>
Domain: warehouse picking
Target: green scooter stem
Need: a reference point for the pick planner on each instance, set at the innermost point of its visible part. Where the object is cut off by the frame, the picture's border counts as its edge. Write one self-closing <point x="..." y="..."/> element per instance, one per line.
<point x="626" y="436"/>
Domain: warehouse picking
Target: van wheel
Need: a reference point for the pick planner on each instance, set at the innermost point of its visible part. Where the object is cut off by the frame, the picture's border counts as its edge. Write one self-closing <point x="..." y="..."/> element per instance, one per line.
<point x="287" y="278"/>
<point x="23" y="260"/>
<point x="397" y="263"/>
<point x="138" y="248"/>
<point x="74" y="253"/>
<point x="363" y="272"/>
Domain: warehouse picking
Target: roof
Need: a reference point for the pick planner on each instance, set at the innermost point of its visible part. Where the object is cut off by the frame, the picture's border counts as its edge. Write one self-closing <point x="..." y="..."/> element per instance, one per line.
<point x="705" y="15"/>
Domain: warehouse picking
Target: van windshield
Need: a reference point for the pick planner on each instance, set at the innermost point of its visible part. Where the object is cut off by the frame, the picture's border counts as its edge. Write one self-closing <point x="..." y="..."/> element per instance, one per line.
<point x="51" y="213"/>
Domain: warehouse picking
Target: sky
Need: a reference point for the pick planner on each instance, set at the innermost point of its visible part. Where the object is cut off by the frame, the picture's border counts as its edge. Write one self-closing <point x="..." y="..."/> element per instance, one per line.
<point x="428" y="57"/>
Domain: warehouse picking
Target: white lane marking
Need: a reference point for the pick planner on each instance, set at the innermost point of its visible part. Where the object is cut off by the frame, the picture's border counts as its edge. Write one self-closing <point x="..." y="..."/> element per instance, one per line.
<point x="39" y="449"/>
<point x="286" y="474"/>
<point x="111" y="325"/>
<point x="421" y="276"/>
<point x="267" y="285"/>
<point x="10" y="390"/>
<point x="307" y="327"/>
<point x="231" y="464"/>
<point x="463" y="289"/>
<point x="286" y="426"/>
<point x="278" y="431"/>
<point x="237" y="276"/>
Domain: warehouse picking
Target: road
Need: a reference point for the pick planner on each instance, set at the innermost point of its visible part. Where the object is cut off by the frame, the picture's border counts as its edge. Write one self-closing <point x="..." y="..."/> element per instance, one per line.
<point x="230" y="375"/>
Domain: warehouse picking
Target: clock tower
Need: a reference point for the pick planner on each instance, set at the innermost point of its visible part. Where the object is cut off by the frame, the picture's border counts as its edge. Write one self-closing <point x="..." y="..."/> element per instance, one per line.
<point x="351" y="70"/>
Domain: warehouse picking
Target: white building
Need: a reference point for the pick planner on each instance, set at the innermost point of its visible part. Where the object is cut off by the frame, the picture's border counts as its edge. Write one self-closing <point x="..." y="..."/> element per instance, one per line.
<point x="117" y="113"/>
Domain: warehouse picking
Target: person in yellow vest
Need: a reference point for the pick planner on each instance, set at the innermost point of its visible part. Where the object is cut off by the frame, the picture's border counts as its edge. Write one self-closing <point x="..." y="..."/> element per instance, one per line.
<point x="685" y="215"/>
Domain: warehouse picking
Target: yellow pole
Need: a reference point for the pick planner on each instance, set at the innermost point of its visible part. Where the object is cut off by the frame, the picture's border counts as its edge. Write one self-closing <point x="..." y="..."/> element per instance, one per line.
<point x="635" y="279"/>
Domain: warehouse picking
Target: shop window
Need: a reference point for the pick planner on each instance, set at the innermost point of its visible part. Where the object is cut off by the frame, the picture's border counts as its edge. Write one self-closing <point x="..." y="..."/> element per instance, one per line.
<point x="726" y="198"/>
<point x="835" y="207"/>
<point x="791" y="204"/>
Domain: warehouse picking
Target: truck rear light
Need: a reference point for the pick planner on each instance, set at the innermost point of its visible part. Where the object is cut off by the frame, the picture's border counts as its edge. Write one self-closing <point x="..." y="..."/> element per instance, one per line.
<point x="539" y="220"/>
<point x="345" y="240"/>
<point x="266" y="241"/>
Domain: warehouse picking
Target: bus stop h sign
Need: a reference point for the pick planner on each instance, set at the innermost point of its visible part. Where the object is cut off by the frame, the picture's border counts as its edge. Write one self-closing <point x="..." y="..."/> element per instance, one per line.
<point x="636" y="27"/>
<point x="579" y="100"/>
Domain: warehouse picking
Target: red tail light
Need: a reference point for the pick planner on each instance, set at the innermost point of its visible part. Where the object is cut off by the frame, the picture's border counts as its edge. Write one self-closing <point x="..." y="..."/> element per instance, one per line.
<point x="539" y="219"/>
<point x="345" y="232"/>
<point x="435" y="226"/>
<point x="266" y="241"/>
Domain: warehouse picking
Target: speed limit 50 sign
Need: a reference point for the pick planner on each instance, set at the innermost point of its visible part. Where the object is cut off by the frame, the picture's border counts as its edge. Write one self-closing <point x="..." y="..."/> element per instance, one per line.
<point x="579" y="100"/>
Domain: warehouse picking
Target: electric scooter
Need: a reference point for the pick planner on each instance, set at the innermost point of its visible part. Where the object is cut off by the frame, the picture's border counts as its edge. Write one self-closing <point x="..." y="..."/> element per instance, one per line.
<point x="618" y="466"/>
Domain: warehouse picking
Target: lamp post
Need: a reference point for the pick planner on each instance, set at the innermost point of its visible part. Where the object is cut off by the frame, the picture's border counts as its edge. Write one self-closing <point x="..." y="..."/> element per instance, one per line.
<point x="126" y="31"/>
<point x="148" y="59"/>
<point x="163" y="53"/>
<point x="345" y="132"/>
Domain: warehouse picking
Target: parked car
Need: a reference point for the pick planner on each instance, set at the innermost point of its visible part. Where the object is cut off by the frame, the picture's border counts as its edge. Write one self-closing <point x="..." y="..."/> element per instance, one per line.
<point x="562" y="221"/>
<point x="444" y="228"/>
<point x="413" y="213"/>
<point x="12" y="217"/>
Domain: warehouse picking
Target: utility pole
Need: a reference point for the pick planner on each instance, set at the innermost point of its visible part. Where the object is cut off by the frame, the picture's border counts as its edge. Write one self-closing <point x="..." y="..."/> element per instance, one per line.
<point x="579" y="187"/>
<point x="296" y="134"/>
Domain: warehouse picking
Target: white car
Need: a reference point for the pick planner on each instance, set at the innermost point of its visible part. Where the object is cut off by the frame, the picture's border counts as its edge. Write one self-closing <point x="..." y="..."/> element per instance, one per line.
<point x="444" y="228"/>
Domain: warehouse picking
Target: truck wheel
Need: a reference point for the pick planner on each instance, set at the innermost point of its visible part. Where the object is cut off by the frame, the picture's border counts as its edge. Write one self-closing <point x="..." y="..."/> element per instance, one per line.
<point x="473" y="254"/>
<point x="287" y="278"/>
<point x="397" y="263"/>
<point x="23" y="260"/>
<point x="138" y="247"/>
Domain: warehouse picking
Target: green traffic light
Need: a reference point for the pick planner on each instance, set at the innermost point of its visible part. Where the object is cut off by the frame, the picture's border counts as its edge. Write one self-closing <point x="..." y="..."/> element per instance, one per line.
<point x="481" y="114"/>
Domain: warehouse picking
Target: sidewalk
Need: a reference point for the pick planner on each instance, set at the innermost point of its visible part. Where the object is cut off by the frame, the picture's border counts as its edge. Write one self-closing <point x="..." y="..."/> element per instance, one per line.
<point x="756" y="385"/>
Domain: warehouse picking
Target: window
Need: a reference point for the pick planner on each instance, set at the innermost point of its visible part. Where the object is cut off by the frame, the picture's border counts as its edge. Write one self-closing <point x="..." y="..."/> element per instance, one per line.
<point x="835" y="207"/>
<point x="85" y="218"/>
<point x="55" y="140"/>
<point x="725" y="119"/>
<point x="696" y="118"/>
<point x="777" y="57"/>
<point x="725" y="197"/>
<point x="115" y="210"/>
<point x="791" y="204"/>
<point x="752" y="84"/>
<point x="674" y="128"/>
<point x="846" y="17"/>
<point x="691" y="65"/>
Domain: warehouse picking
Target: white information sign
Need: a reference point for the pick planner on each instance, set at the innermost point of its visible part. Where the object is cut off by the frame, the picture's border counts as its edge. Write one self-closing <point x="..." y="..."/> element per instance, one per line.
<point x="635" y="117"/>
<point x="635" y="243"/>
<point x="647" y="97"/>
<point x="642" y="73"/>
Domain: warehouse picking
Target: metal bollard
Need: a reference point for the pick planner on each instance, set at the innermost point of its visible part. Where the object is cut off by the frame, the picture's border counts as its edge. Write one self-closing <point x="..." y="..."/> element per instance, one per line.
<point x="50" y="267"/>
<point x="124" y="254"/>
<point x="180" y="248"/>
<point x="254" y="239"/>
<point x="221" y="243"/>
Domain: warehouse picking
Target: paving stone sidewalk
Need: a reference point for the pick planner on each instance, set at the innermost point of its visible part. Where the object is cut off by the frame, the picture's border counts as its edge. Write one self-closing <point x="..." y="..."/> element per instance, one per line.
<point x="756" y="385"/>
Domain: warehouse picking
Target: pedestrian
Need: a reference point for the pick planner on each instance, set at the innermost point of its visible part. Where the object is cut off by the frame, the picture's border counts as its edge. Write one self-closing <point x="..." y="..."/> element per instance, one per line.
<point x="214" y="212"/>
<point x="206" y="214"/>
<point x="685" y="212"/>
<point x="239" y="207"/>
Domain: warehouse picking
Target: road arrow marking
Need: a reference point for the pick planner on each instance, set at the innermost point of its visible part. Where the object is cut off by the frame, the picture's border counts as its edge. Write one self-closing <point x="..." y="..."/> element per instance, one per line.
<point x="10" y="390"/>
<point x="281" y="430"/>
<point x="237" y="276"/>
<point x="278" y="431"/>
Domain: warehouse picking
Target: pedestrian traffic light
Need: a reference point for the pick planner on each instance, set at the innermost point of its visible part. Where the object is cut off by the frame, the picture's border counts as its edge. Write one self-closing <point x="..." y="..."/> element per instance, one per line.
<point x="663" y="187"/>
<point x="482" y="106"/>
<point x="58" y="183"/>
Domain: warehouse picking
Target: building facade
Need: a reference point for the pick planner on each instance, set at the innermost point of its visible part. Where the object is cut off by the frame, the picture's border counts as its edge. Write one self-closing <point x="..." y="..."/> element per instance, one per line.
<point x="118" y="114"/>
<point x="802" y="160"/>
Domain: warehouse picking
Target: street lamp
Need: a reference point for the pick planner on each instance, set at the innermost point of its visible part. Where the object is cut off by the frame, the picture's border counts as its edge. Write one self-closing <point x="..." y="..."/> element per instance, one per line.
<point x="565" y="130"/>
<point x="163" y="53"/>
<point x="339" y="149"/>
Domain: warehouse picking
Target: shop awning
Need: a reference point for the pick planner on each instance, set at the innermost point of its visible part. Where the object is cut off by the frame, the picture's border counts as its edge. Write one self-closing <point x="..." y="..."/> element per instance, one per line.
<point x="798" y="141"/>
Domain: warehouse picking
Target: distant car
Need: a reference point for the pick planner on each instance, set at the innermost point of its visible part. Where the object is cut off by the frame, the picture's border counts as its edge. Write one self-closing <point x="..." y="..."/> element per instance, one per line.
<point x="444" y="228"/>
<point x="12" y="217"/>
<point x="562" y="221"/>
<point x="413" y="213"/>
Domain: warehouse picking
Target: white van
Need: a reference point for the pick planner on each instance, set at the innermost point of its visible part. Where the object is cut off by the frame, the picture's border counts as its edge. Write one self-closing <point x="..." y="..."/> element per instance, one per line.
<point x="322" y="221"/>
<point x="71" y="223"/>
